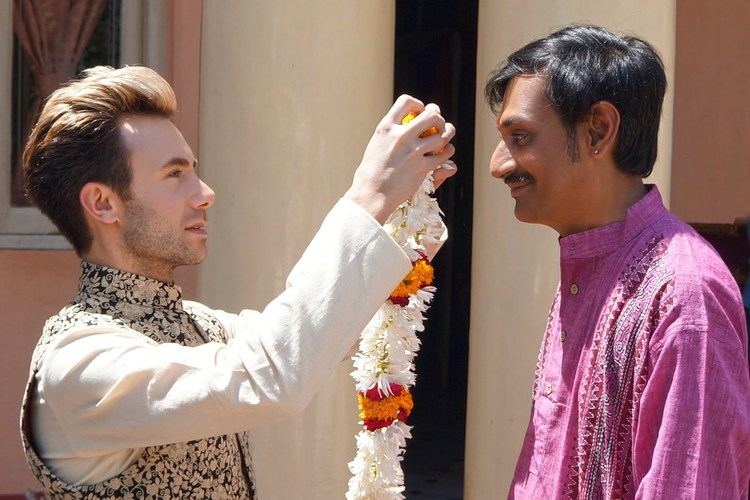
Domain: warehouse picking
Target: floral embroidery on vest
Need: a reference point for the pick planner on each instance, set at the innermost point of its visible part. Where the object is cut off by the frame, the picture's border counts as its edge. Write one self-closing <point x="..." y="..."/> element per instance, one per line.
<point x="179" y="470"/>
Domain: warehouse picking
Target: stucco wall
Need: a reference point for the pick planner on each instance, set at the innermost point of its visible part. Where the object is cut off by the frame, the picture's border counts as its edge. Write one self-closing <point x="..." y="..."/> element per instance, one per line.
<point x="33" y="286"/>
<point x="711" y="164"/>
<point x="290" y="93"/>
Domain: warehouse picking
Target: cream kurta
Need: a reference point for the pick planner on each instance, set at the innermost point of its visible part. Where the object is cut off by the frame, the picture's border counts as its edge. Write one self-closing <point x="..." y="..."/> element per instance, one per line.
<point x="104" y="393"/>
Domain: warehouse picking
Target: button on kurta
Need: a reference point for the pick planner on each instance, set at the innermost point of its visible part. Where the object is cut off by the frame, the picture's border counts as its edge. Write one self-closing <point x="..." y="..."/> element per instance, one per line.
<point x="574" y="289"/>
<point x="548" y="389"/>
<point x="563" y="336"/>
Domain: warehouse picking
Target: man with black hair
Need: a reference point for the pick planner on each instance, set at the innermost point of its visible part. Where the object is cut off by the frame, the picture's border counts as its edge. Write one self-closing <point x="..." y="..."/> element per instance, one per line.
<point x="642" y="387"/>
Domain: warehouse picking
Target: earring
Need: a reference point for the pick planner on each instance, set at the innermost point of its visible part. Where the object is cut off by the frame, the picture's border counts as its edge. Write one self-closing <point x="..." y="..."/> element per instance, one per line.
<point x="596" y="152"/>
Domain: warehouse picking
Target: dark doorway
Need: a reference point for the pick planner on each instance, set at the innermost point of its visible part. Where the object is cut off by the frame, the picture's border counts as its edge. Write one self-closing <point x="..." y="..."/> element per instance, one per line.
<point x="435" y="61"/>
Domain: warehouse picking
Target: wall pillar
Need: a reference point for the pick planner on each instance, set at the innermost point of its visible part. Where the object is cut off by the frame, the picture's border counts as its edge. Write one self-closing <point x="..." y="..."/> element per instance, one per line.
<point x="290" y="94"/>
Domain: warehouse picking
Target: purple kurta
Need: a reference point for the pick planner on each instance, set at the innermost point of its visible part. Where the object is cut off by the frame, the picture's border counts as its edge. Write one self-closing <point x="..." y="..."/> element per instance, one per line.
<point x="642" y="386"/>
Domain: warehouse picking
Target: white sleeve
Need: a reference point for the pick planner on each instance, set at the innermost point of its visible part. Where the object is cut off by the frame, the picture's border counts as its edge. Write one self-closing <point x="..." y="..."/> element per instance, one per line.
<point x="108" y="389"/>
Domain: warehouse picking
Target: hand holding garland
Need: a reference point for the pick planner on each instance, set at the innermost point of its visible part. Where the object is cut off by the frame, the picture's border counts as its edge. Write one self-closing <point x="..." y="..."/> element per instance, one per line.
<point x="397" y="159"/>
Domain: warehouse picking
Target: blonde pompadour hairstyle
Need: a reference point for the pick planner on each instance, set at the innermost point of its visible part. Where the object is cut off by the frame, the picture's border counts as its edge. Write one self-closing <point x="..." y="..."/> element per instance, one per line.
<point x="76" y="140"/>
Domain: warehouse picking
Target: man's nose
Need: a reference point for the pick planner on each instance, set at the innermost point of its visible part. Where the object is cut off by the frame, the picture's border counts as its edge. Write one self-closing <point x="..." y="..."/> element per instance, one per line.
<point x="206" y="196"/>
<point x="502" y="162"/>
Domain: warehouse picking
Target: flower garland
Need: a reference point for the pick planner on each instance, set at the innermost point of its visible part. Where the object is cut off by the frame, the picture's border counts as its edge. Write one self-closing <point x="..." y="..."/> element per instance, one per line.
<point x="384" y="365"/>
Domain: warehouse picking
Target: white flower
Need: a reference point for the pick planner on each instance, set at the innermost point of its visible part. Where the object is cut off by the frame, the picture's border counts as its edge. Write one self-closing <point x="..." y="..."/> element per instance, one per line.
<point x="387" y="349"/>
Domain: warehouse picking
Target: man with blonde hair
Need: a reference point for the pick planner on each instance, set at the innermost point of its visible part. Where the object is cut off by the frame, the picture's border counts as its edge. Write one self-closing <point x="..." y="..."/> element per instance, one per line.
<point x="135" y="392"/>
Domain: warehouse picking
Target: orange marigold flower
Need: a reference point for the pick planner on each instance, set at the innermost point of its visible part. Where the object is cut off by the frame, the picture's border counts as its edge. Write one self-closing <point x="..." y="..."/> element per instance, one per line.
<point x="386" y="409"/>
<point x="420" y="276"/>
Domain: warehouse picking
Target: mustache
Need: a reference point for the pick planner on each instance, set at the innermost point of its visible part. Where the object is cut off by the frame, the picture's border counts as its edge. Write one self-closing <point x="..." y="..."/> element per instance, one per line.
<point x="518" y="177"/>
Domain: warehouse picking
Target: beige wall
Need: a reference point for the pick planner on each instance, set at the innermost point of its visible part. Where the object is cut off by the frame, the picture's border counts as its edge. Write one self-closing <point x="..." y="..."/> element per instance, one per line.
<point x="515" y="266"/>
<point x="711" y="164"/>
<point x="34" y="285"/>
<point x="290" y="92"/>
<point x="183" y="62"/>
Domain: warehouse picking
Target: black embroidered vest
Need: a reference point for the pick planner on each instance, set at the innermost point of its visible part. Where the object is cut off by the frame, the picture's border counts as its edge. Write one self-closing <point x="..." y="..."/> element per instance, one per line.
<point x="179" y="470"/>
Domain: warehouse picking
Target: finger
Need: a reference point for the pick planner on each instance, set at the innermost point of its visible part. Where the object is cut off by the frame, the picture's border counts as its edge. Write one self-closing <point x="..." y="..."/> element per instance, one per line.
<point x="430" y="162"/>
<point x="444" y="155"/>
<point x="432" y="107"/>
<point x="404" y="105"/>
<point x="448" y="133"/>
<point x="431" y="145"/>
<point x="424" y="122"/>
<point x="443" y="172"/>
<point x="434" y="144"/>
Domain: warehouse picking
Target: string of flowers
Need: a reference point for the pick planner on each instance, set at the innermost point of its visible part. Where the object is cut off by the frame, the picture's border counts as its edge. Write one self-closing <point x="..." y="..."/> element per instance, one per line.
<point x="384" y="365"/>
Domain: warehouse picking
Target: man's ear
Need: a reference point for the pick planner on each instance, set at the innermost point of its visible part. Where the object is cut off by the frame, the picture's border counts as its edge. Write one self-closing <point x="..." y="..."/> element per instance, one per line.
<point x="602" y="124"/>
<point x="100" y="203"/>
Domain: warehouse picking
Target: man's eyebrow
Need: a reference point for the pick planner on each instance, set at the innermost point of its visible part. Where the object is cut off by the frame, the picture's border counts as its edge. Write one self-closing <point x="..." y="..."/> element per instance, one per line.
<point x="514" y="120"/>
<point x="508" y="122"/>
<point x="182" y="162"/>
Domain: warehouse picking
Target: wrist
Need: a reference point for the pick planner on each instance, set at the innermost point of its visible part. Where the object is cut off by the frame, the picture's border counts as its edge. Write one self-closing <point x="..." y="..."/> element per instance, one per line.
<point x="373" y="203"/>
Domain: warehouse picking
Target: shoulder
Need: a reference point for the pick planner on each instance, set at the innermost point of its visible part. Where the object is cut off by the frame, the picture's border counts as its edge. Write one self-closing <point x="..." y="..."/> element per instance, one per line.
<point x="74" y="316"/>
<point x="202" y="312"/>
<point x="216" y="320"/>
<point x="71" y="321"/>
<point x="700" y="275"/>
<point x="196" y="309"/>
<point x="701" y="295"/>
<point x="692" y="258"/>
<point x="73" y="338"/>
<point x="216" y="324"/>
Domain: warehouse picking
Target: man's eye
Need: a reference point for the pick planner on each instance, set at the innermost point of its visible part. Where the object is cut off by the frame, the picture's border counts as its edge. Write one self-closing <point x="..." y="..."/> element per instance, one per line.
<point x="520" y="138"/>
<point x="175" y="173"/>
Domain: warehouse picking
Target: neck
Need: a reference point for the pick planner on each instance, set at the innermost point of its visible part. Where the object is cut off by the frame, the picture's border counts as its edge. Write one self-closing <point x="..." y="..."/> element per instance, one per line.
<point x="608" y="202"/>
<point x="129" y="263"/>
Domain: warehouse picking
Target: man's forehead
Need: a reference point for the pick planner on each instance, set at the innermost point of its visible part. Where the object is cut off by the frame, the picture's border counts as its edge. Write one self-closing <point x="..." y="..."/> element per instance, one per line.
<point x="134" y="125"/>
<point x="525" y="98"/>
<point x="153" y="136"/>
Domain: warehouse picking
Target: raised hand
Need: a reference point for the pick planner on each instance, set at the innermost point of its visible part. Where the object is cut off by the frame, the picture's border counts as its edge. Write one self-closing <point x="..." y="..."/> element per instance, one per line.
<point x="397" y="159"/>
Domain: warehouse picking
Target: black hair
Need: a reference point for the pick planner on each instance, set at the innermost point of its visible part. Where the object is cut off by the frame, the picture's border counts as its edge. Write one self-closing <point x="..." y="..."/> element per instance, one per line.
<point x="585" y="64"/>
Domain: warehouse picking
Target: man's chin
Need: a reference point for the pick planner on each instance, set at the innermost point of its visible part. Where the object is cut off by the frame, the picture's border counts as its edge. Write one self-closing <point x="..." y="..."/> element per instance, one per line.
<point x="192" y="260"/>
<point x="196" y="254"/>
<point x="198" y="259"/>
<point x="524" y="215"/>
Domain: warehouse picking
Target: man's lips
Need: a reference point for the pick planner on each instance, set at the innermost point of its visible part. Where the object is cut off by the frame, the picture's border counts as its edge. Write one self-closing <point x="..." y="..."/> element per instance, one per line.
<point x="198" y="227"/>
